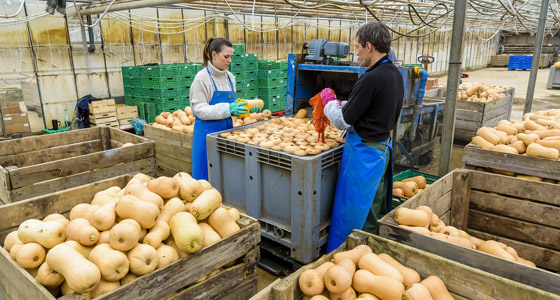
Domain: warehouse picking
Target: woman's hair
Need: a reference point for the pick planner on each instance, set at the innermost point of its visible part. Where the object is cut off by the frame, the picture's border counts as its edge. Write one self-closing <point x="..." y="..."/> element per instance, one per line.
<point x="214" y="44"/>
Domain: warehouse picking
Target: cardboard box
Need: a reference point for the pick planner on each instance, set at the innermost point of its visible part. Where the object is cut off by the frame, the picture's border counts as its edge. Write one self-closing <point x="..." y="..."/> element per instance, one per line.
<point x="16" y="123"/>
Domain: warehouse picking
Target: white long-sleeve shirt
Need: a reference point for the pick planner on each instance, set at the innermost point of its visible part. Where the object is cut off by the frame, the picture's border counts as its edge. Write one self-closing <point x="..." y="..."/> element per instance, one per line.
<point x="201" y="92"/>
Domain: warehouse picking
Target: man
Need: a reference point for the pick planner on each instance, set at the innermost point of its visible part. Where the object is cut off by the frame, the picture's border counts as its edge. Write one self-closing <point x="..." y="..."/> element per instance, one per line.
<point x="363" y="190"/>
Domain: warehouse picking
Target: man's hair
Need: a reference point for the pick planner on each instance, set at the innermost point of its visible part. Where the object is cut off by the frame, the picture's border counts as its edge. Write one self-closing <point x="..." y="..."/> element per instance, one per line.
<point x="377" y="34"/>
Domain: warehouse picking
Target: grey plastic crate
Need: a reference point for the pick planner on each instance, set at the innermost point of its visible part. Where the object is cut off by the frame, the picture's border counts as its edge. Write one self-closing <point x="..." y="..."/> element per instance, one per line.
<point x="290" y="195"/>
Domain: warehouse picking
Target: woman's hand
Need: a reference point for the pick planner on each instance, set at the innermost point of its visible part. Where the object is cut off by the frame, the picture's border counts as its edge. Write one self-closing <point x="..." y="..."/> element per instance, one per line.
<point x="237" y="108"/>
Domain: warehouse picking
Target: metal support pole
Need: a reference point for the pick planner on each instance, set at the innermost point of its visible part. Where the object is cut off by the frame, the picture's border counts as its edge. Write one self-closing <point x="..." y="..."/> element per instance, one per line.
<point x="459" y="16"/>
<point x="105" y="57"/>
<point x="159" y="38"/>
<point x="536" y="57"/>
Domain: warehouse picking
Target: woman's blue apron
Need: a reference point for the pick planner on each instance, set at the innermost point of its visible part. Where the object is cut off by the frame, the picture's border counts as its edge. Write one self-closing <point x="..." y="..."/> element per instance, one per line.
<point x="199" y="156"/>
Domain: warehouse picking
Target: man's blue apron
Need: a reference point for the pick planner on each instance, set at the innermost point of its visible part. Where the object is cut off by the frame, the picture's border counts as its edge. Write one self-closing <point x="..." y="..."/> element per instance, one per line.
<point x="360" y="174"/>
<point x="199" y="156"/>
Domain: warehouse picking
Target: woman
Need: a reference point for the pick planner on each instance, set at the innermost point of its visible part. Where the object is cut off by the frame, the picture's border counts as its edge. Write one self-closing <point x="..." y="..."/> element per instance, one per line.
<point x="213" y="98"/>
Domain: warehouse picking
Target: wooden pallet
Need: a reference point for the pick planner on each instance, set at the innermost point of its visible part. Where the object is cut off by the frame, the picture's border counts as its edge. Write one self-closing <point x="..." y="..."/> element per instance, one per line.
<point x="474" y="157"/>
<point x="520" y="213"/>
<point x="34" y="166"/>
<point x="172" y="150"/>
<point x="175" y="280"/>
<point x="463" y="282"/>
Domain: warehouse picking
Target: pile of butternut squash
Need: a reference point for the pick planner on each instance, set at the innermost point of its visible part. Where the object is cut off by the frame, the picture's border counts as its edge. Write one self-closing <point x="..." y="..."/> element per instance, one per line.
<point x="410" y="186"/>
<point x="482" y="92"/>
<point x="288" y="134"/>
<point x="538" y="135"/>
<point x="422" y="220"/>
<point x="251" y="118"/>
<point x="179" y="120"/>
<point x="522" y="176"/>
<point x="122" y="234"/>
<point x="372" y="276"/>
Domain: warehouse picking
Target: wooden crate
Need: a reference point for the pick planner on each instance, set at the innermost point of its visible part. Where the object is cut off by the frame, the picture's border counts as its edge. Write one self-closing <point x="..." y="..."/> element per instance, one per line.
<point x="103" y="113"/>
<point x="237" y="282"/>
<point x="172" y="150"/>
<point x="474" y="157"/>
<point x="34" y="166"/>
<point x="463" y="282"/>
<point x="520" y="213"/>
<point x="102" y="106"/>
<point x="127" y="112"/>
<point x="499" y="61"/>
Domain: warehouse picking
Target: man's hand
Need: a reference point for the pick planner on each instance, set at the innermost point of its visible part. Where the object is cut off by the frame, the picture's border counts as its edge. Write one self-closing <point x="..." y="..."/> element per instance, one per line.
<point x="327" y="95"/>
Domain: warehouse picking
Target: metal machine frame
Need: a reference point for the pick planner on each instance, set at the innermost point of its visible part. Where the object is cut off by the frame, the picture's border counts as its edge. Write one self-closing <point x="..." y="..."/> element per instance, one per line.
<point x="416" y="131"/>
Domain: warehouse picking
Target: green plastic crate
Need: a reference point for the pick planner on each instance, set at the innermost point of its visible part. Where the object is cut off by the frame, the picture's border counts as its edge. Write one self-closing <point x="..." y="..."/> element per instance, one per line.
<point x="251" y="57"/>
<point x="237" y="67"/>
<point x="251" y="94"/>
<point x="271" y="83"/>
<point x="240" y="94"/>
<point x="159" y="82"/>
<point x="184" y="91"/>
<point x="132" y="100"/>
<point x="185" y="80"/>
<point x="141" y="110"/>
<point x="238" y="49"/>
<point x="398" y="200"/>
<point x="283" y="74"/>
<point x="284" y="65"/>
<point x="150" y="111"/>
<point x="169" y="106"/>
<point x="132" y="81"/>
<point x="187" y="70"/>
<point x="268" y="74"/>
<point x="251" y="66"/>
<point x="252" y="75"/>
<point x="161" y="93"/>
<point x="184" y="101"/>
<point x="238" y="58"/>
<point x="239" y="76"/>
<point x="130" y="71"/>
<point x="132" y="91"/>
<point x="269" y="65"/>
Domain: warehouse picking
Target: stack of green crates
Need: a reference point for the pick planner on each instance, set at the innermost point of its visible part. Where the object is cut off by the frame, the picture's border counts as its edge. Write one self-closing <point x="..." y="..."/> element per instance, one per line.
<point x="159" y="88"/>
<point x="244" y="66"/>
<point x="272" y="84"/>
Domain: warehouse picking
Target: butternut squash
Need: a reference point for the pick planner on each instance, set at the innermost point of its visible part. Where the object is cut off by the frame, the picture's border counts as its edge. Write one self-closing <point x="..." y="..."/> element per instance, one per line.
<point x="206" y="203"/>
<point x="143" y="212"/>
<point x="210" y="235"/>
<point x="11" y="240"/>
<point x="437" y="288"/>
<point x="80" y="274"/>
<point x="179" y="251"/>
<point x="463" y="242"/>
<point x="489" y="135"/>
<point x="141" y="192"/>
<point x="222" y="222"/>
<point x="410" y="276"/>
<point x="482" y="143"/>
<point x="418" y="292"/>
<point x="205" y="184"/>
<point x="102" y="198"/>
<point x="519" y="146"/>
<point x="165" y="187"/>
<point x="83" y="250"/>
<point x="112" y="264"/>
<point x="512" y="252"/>
<point x="502" y="172"/>
<point x="353" y="254"/>
<point x="83" y="210"/>
<point x="398" y="192"/>
<point x="475" y="242"/>
<point x="166" y="255"/>
<point x="81" y="230"/>
<point x="542" y="134"/>
<point x="30" y="255"/>
<point x="371" y="262"/>
<point x="14" y="250"/>
<point x="47" y="234"/>
<point x="104" y="217"/>
<point x="504" y="148"/>
<point x="173" y="206"/>
<point x="189" y="188"/>
<point x="527" y="262"/>
<point x="420" y="230"/>
<point x="128" y="278"/>
<point x="509" y="129"/>
<point x="188" y="236"/>
<point x="57" y="218"/>
<point x="527" y="177"/>
<point x="142" y="259"/>
<point x="531" y="125"/>
<point x="318" y="297"/>
<point x="104" y="237"/>
<point x="157" y="234"/>
<point x="337" y="279"/>
<point x="538" y="150"/>
<point x="411" y="217"/>
<point x="410" y="188"/>
<point x="348" y="265"/>
<point x="367" y="296"/>
<point x="104" y="287"/>
<point x="494" y="248"/>
<point x="349" y="294"/>
<point x="234" y="213"/>
<point x="450" y="230"/>
<point x="554" y="144"/>
<point x="528" y="138"/>
<point x="124" y="236"/>
<point x="428" y="211"/>
<point x="420" y="181"/>
<point x="385" y="288"/>
<point x="519" y="126"/>
<point x="48" y="277"/>
<point x="143" y="178"/>
<point x="311" y="283"/>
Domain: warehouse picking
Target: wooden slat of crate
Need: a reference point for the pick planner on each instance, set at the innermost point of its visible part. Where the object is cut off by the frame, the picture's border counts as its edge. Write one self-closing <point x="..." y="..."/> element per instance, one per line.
<point x="105" y="118"/>
<point x="162" y="282"/>
<point x="462" y="282"/>
<point x="127" y="112"/>
<point x="46" y="155"/>
<point x="125" y="121"/>
<point x="470" y="181"/>
<point x="172" y="150"/>
<point x="102" y="106"/>
<point x="173" y="138"/>
<point x="535" y="166"/>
